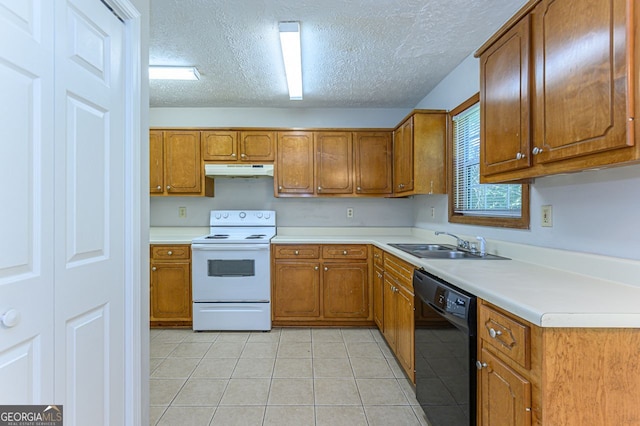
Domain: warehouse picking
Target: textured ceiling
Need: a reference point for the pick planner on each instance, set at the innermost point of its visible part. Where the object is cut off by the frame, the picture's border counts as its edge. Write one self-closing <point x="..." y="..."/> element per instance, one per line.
<point x="355" y="53"/>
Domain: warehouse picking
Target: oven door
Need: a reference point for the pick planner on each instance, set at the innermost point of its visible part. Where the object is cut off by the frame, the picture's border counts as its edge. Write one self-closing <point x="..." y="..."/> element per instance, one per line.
<point x="230" y="272"/>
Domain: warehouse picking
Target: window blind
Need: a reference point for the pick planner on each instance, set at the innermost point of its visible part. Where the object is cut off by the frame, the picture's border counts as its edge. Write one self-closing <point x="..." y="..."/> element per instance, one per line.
<point x="470" y="196"/>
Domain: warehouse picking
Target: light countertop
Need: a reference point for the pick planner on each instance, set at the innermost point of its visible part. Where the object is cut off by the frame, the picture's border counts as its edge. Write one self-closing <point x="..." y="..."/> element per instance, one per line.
<point x="576" y="290"/>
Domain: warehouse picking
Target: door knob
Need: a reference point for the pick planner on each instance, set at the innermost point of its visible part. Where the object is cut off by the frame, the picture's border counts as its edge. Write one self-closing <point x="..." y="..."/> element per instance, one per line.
<point x="11" y="318"/>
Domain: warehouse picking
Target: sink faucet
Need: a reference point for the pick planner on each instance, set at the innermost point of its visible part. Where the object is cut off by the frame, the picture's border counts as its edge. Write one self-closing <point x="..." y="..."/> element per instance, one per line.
<point x="462" y="244"/>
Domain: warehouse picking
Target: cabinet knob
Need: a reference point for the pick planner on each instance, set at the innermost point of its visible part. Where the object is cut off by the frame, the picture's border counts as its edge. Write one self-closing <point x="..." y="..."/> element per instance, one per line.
<point x="243" y="155"/>
<point x="280" y="188"/>
<point x="154" y="268"/>
<point x="358" y="189"/>
<point x="379" y="274"/>
<point x="11" y="318"/>
<point x="168" y="186"/>
<point x="316" y="268"/>
<point x="326" y="269"/>
<point x="169" y="253"/>
<point x="494" y="333"/>
<point x="536" y="150"/>
<point x="296" y="252"/>
<point x="158" y="187"/>
<point x="233" y="155"/>
<point x="319" y="188"/>
<point x="520" y="156"/>
<point x="481" y="365"/>
<point x="344" y="252"/>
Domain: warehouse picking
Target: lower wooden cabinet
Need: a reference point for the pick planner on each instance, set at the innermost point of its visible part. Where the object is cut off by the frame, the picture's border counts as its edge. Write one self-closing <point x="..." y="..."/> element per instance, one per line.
<point x="321" y="284"/>
<point x="170" y="285"/>
<point x="532" y="375"/>
<point x="398" y="312"/>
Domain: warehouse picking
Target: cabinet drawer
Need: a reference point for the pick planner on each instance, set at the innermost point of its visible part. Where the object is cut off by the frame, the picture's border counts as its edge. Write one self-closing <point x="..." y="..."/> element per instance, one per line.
<point x="377" y="257"/>
<point x="344" y="251"/>
<point x="297" y="252"/>
<point x="171" y="252"/>
<point x="400" y="268"/>
<point x="506" y="334"/>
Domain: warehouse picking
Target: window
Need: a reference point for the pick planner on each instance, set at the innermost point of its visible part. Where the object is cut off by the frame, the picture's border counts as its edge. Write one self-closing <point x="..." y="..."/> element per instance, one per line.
<point x="503" y="205"/>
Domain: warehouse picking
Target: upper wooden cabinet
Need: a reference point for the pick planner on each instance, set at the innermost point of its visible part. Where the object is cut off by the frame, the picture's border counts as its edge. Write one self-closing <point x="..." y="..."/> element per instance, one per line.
<point x="372" y="153"/>
<point x="251" y="146"/>
<point x="176" y="164"/>
<point x="294" y="165"/>
<point x="419" y="153"/>
<point x="557" y="94"/>
<point x="333" y="163"/>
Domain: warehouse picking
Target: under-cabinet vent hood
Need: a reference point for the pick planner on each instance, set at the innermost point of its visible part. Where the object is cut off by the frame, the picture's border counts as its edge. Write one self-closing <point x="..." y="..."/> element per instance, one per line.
<point x="238" y="170"/>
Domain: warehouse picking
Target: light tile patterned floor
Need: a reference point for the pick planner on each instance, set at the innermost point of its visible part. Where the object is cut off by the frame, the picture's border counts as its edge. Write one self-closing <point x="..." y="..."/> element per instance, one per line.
<point x="289" y="376"/>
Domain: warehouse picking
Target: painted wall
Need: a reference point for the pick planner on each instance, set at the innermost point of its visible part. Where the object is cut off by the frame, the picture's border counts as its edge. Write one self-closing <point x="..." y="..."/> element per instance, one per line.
<point x="593" y="211"/>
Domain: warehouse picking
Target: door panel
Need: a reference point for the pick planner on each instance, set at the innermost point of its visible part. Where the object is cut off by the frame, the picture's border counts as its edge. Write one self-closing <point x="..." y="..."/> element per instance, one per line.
<point x="26" y="222"/>
<point x="346" y="290"/>
<point x="89" y="214"/>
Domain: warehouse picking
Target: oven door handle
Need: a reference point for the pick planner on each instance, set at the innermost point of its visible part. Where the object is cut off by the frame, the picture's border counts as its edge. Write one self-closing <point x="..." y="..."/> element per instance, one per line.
<point x="230" y="247"/>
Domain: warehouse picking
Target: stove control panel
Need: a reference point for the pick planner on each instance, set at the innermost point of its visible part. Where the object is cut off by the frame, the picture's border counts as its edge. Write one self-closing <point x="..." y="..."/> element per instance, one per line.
<point x="242" y="218"/>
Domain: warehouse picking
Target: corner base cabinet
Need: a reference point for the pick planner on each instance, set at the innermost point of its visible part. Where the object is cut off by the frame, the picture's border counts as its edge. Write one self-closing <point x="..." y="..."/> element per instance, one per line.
<point x="321" y="284"/>
<point x="531" y="375"/>
<point x="170" y="286"/>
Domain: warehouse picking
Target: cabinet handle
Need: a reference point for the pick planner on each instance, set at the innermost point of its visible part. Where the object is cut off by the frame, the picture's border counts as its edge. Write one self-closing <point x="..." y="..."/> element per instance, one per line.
<point x="481" y="365"/>
<point x="296" y="252"/>
<point x="316" y="268"/>
<point x="158" y="187"/>
<point x="154" y="268"/>
<point x="358" y="189"/>
<point x="280" y="188"/>
<point x="233" y="155"/>
<point x="169" y="252"/>
<point x="242" y="155"/>
<point x="537" y="150"/>
<point x="520" y="156"/>
<point x="319" y="188"/>
<point x="326" y="269"/>
<point x="494" y="333"/>
<point x="344" y="252"/>
<point x="168" y="186"/>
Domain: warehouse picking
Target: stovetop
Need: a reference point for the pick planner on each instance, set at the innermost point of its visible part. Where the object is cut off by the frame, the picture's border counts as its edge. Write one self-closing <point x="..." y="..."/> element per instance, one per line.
<point x="239" y="226"/>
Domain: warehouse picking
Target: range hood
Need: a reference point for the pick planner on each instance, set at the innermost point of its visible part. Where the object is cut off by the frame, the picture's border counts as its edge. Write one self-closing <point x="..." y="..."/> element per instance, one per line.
<point x="238" y="170"/>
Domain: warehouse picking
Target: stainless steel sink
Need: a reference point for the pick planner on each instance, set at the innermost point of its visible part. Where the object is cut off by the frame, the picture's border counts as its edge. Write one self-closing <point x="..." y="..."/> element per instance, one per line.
<point x="442" y="251"/>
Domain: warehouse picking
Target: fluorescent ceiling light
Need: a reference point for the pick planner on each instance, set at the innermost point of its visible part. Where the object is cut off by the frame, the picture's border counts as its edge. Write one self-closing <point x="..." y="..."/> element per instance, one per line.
<point x="173" y="73"/>
<point x="290" y="42"/>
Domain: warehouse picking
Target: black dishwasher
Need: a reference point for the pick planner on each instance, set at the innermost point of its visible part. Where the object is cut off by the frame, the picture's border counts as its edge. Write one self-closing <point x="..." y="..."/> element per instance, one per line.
<point x="445" y="356"/>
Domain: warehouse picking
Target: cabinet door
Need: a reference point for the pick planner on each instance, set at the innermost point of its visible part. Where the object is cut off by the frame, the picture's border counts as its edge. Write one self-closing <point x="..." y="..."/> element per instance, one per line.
<point x="581" y="78"/>
<point x="156" y="162"/>
<point x="182" y="162"/>
<point x="296" y="290"/>
<point x="373" y="155"/>
<point x="219" y="145"/>
<point x="346" y="290"/>
<point x="294" y="167"/>
<point x="257" y="146"/>
<point x="389" y="312"/>
<point x="378" y="297"/>
<point x="505" y="396"/>
<point x="403" y="157"/>
<point x="505" y="102"/>
<point x="170" y="291"/>
<point x="334" y="163"/>
<point x="405" y="330"/>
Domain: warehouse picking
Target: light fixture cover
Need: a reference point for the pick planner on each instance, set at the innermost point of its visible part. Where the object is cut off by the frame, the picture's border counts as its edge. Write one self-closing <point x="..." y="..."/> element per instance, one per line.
<point x="173" y="73"/>
<point x="290" y="43"/>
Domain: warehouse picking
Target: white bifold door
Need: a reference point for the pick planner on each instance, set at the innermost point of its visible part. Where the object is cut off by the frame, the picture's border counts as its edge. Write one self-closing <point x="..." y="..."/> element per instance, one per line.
<point x="62" y="227"/>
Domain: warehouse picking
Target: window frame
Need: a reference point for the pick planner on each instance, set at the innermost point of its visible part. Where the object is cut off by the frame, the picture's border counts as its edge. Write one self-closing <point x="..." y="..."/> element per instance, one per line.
<point x="522" y="222"/>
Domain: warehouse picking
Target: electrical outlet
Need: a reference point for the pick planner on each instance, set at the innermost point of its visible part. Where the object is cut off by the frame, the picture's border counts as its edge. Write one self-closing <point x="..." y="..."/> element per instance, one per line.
<point x="350" y="213"/>
<point x="547" y="216"/>
<point x="182" y="212"/>
<point x="433" y="212"/>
